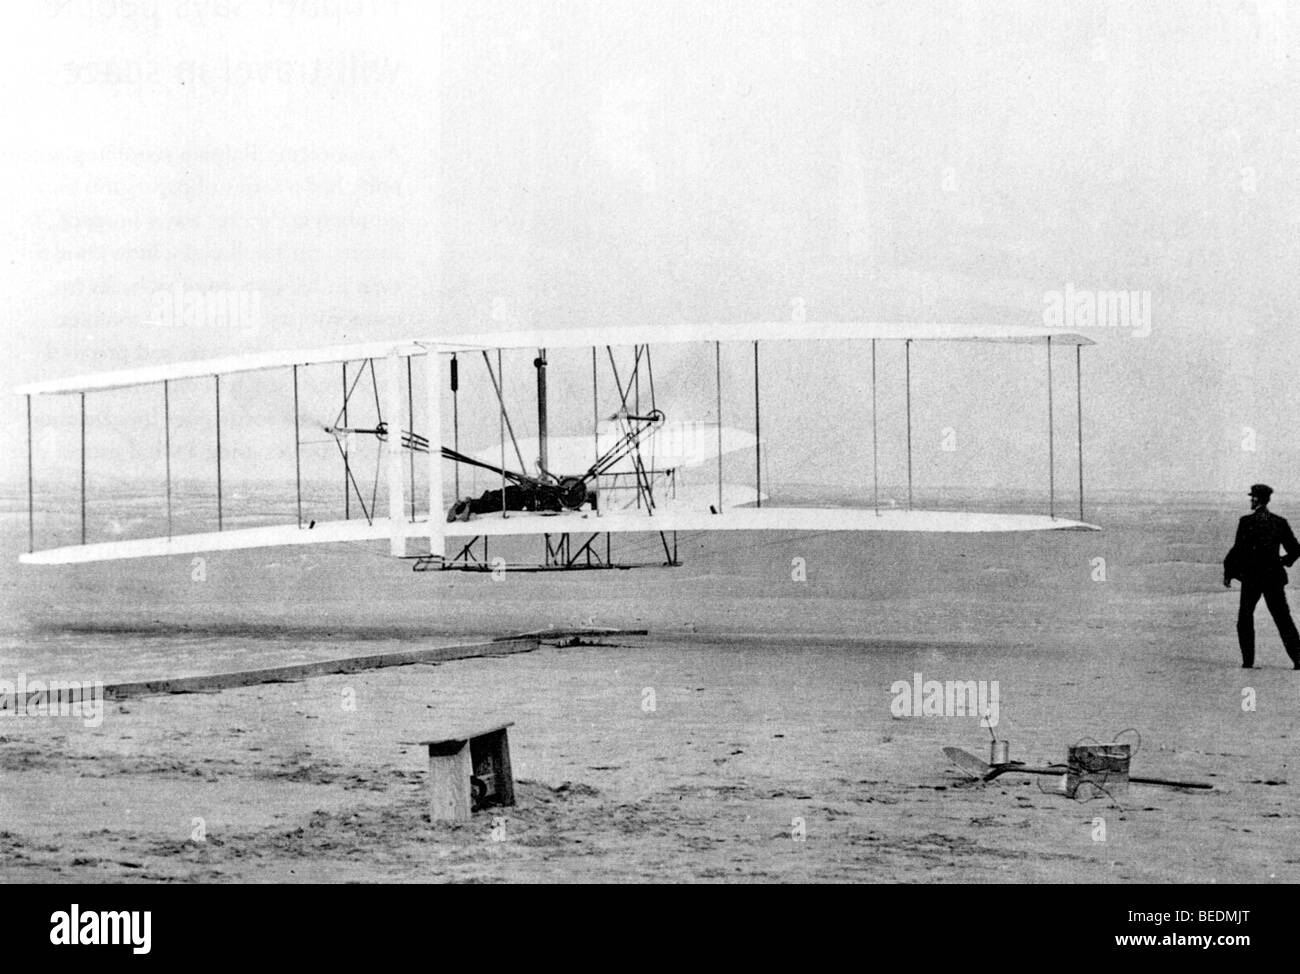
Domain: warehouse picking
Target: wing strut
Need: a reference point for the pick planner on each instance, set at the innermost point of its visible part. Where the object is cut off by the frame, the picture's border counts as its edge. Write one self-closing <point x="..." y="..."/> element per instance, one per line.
<point x="643" y="485"/>
<point x="433" y="417"/>
<point x="650" y="374"/>
<point x="875" y="451"/>
<point x="31" y="504"/>
<point x="297" y="448"/>
<point x="1078" y="386"/>
<point x="758" y="440"/>
<point x="501" y="428"/>
<point x="218" y="399"/>
<point x="595" y="415"/>
<point x="393" y="454"/>
<point x="410" y="425"/>
<point x="717" y="375"/>
<point x="455" y="414"/>
<point x="379" y="413"/>
<point x="635" y="381"/>
<point x="1051" y="439"/>
<point x="167" y="450"/>
<point x="654" y="407"/>
<point x="907" y="357"/>
<point x="83" y="468"/>
<point x="347" y="471"/>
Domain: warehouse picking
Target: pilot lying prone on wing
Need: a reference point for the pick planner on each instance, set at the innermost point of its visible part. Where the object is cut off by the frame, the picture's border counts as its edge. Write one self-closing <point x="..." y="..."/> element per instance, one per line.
<point x="571" y="493"/>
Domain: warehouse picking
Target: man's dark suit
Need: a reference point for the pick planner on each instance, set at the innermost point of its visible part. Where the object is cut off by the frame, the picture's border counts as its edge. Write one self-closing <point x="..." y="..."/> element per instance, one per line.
<point x="1254" y="560"/>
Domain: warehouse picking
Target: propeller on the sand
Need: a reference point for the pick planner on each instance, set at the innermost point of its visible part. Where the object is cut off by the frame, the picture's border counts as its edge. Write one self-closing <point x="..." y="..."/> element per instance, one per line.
<point x="981" y="770"/>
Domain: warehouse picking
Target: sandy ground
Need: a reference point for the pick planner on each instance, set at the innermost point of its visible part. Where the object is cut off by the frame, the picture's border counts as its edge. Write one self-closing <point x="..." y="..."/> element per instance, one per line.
<point x="770" y="751"/>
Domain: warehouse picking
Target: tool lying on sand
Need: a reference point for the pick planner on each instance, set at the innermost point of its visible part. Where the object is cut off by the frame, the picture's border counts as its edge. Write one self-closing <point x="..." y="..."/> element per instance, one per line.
<point x="981" y="770"/>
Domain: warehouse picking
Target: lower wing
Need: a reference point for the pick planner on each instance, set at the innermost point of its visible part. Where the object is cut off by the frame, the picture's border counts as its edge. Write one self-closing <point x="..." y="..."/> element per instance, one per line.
<point x="521" y="523"/>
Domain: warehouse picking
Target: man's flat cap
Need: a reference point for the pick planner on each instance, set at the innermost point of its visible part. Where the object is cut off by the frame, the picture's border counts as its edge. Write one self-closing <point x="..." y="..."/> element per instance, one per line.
<point x="1262" y="491"/>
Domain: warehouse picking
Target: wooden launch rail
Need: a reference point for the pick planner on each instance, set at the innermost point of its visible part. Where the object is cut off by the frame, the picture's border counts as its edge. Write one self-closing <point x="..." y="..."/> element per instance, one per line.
<point x="210" y="683"/>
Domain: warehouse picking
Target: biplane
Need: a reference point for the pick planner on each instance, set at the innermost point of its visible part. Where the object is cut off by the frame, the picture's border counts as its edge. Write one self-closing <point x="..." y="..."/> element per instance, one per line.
<point x="624" y="474"/>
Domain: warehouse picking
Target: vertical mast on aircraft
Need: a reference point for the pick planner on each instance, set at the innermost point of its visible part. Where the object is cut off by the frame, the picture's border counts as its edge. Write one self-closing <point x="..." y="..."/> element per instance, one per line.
<point x="543" y="460"/>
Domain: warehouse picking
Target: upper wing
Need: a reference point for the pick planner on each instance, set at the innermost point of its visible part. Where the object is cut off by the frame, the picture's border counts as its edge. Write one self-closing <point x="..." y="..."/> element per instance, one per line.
<point x="557" y="338"/>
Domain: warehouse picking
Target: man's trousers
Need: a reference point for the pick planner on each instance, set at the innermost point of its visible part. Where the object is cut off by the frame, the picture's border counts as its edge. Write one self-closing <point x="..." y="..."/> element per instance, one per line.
<point x="1275" y="598"/>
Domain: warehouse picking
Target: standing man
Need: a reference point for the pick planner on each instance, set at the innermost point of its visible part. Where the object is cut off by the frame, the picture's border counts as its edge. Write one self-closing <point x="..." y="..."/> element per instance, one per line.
<point x="1255" y="561"/>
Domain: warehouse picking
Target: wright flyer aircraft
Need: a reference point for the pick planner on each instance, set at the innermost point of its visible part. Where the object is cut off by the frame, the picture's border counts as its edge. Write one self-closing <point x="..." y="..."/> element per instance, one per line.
<point x="636" y="468"/>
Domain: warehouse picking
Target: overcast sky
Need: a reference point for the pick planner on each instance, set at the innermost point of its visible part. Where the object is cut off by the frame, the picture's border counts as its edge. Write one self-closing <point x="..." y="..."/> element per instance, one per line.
<point x="340" y="171"/>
